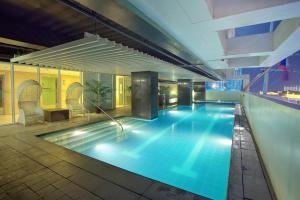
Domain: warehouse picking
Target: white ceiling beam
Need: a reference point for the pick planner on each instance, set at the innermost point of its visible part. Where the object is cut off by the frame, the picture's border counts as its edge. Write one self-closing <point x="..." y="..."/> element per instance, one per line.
<point x="232" y="7"/>
<point x="249" y="44"/>
<point x="285" y="41"/>
<point x="281" y="12"/>
<point x="244" y="62"/>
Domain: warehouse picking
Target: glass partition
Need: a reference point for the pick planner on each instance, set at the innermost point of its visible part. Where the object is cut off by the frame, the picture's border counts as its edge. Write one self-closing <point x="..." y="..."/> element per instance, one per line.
<point x="120" y="97"/>
<point x="21" y="74"/>
<point x="167" y="93"/>
<point x="229" y="85"/>
<point x="67" y="78"/>
<point x="123" y="91"/>
<point x="106" y="94"/>
<point x="98" y="89"/>
<point x="279" y="83"/>
<point x="127" y="92"/>
<point x="49" y="83"/>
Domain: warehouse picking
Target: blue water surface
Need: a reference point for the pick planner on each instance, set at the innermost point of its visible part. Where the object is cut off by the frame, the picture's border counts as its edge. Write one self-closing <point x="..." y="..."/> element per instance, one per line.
<point x="186" y="146"/>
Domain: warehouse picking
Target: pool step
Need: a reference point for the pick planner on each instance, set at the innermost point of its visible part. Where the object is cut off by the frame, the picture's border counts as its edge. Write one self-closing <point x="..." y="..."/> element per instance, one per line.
<point x="92" y="142"/>
<point x="112" y="133"/>
<point x="89" y="134"/>
<point x="66" y="135"/>
<point x="84" y="136"/>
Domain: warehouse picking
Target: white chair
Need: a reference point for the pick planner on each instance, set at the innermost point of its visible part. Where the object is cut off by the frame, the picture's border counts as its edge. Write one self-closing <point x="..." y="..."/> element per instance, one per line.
<point x="28" y="94"/>
<point x="73" y="99"/>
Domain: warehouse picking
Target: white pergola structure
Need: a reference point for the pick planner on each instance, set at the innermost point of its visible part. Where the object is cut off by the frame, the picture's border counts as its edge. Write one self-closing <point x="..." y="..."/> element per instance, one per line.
<point x="96" y="54"/>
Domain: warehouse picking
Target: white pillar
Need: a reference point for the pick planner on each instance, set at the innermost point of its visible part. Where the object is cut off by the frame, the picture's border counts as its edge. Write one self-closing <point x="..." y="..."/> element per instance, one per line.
<point x="12" y="83"/>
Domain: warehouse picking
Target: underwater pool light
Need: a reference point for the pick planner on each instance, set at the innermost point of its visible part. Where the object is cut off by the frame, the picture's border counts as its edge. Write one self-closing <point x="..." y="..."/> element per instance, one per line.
<point x="103" y="147"/>
<point x="78" y="132"/>
<point x="224" y="141"/>
<point x="136" y="131"/>
<point x="113" y="123"/>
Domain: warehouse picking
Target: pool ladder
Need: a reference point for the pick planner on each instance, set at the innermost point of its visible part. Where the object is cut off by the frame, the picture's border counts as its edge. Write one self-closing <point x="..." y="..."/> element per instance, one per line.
<point x="110" y="117"/>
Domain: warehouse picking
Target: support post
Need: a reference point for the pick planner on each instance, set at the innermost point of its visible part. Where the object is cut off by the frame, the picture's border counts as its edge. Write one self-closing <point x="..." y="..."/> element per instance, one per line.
<point x="185" y="87"/>
<point x="265" y="83"/>
<point x="12" y="83"/>
<point x="144" y="94"/>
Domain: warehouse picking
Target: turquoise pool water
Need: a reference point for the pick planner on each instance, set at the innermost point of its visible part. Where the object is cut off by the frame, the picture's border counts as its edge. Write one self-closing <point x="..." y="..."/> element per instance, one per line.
<point x="186" y="146"/>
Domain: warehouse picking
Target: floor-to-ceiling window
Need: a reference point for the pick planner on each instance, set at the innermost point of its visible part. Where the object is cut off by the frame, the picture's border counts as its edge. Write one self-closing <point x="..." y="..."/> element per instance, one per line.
<point x="120" y="91"/>
<point x="22" y="73"/>
<point x="127" y="90"/>
<point x="49" y="83"/>
<point x="106" y="99"/>
<point x="67" y="78"/>
<point x="5" y="94"/>
<point x="98" y="90"/>
<point x="123" y="91"/>
<point x="54" y="85"/>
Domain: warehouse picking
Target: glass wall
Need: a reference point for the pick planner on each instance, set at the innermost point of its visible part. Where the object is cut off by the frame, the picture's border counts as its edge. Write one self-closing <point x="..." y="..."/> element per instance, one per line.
<point x="120" y="100"/>
<point x="21" y="74"/>
<point x="229" y="85"/>
<point x="99" y="90"/>
<point x="127" y="92"/>
<point x="67" y="78"/>
<point x="123" y="91"/>
<point x="49" y="83"/>
<point x="5" y="94"/>
<point x="167" y="93"/>
<point x="54" y="83"/>
<point x="281" y="83"/>
<point x="107" y="94"/>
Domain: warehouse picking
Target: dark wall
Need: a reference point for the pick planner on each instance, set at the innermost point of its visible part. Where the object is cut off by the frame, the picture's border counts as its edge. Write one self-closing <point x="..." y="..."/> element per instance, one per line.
<point x="144" y="94"/>
<point x="185" y="87"/>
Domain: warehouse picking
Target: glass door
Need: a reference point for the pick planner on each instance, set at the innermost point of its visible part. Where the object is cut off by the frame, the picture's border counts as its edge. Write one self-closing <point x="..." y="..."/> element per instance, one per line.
<point x="49" y="97"/>
<point x="127" y="90"/>
<point x="120" y="98"/>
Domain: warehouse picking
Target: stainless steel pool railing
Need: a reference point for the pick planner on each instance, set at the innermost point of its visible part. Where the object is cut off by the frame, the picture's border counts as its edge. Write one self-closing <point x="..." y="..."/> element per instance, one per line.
<point x="110" y="117"/>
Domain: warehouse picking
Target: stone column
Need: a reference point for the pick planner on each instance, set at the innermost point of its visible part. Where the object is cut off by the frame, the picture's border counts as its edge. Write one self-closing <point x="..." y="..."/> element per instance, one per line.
<point x="185" y="87"/>
<point x="144" y="94"/>
<point x="199" y="91"/>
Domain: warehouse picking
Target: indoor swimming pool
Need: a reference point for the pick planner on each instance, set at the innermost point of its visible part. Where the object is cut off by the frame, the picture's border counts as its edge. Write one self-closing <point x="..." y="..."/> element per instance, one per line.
<point x="188" y="147"/>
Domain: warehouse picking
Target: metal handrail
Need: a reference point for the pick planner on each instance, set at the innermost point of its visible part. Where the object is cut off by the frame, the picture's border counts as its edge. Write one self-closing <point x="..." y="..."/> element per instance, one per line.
<point x="110" y="117"/>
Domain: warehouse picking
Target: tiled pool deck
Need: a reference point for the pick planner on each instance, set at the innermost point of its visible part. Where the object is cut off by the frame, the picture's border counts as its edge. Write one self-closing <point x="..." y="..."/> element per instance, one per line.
<point x="32" y="168"/>
<point x="246" y="179"/>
